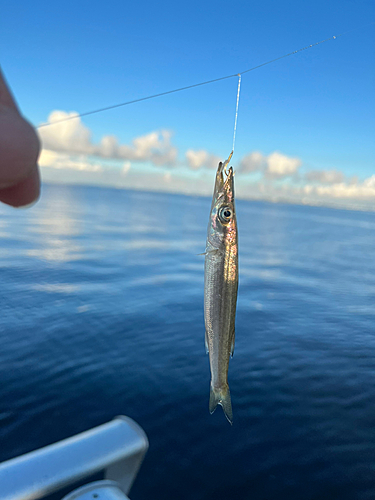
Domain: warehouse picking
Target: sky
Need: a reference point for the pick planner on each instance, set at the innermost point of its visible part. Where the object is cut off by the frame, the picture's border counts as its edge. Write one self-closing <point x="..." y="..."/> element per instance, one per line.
<point x="306" y="123"/>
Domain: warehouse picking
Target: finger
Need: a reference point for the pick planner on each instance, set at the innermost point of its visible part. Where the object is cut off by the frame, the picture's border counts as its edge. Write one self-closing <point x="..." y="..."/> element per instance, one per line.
<point x="19" y="147"/>
<point x="6" y="97"/>
<point x="25" y="192"/>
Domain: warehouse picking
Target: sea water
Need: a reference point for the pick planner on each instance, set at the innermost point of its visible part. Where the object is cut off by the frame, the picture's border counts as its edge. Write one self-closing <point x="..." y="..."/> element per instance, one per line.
<point x="102" y="314"/>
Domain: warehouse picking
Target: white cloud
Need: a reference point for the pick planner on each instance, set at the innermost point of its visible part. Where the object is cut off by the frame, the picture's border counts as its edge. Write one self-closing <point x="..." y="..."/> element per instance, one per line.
<point x="369" y="183"/>
<point x="201" y="158"/>
<point x="344" y="195"/>
<point x="73" y="137"/>
<point x="108" y="146"/>
<point x="275" y="165"/>
<point x="279" y="165"/>
<point x="69" y="136"/>
<point x="167" y="177"/>
<point x="126" y="167"/>
<point x="196" y="159"/>
<point x="47" y="157"/>
<point x="253" y="162"/>
<point x="325" y="176"/>
<point x="56" y="160"/>
<point x="360" y="190"/>
<point x="70" y="156"/>
<point x="155" y="147"/>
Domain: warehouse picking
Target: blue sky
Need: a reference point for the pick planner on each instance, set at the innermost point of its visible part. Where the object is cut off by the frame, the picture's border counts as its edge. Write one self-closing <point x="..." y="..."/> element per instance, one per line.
<point x="315" y="108"/>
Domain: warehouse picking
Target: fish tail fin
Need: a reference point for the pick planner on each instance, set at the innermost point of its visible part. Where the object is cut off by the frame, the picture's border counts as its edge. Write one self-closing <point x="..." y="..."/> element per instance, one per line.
<point x="221" y="396"/>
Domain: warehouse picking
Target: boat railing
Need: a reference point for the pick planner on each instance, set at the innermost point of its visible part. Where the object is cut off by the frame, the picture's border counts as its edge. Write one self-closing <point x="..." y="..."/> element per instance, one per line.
<point x="117" y="447"/>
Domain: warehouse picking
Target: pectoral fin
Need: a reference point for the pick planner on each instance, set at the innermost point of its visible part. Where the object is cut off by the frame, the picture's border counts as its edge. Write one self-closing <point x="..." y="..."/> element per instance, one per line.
<point x="232" y="344"/>
<point x="211" y="252"/>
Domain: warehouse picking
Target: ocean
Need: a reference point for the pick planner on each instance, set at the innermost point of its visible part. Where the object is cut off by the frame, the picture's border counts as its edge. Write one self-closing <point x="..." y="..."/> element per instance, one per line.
<point x="102" y="314"/>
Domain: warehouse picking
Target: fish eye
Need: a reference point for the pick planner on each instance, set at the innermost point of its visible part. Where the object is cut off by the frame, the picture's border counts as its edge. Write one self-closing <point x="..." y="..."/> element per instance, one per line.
<point x="225" y="214"/>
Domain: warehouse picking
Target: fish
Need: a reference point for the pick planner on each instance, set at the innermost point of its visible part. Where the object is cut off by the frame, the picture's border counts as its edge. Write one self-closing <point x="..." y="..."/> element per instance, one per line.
<point x="221" y="286"/>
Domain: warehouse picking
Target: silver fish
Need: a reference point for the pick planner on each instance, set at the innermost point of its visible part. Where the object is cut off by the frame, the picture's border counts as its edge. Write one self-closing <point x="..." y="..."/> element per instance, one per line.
<point x="220" y="287"/>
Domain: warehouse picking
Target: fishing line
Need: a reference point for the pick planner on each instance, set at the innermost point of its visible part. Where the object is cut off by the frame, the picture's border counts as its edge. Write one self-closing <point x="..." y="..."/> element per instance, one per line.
<point x="235" y="119"/>
<point x="100" y="110"/>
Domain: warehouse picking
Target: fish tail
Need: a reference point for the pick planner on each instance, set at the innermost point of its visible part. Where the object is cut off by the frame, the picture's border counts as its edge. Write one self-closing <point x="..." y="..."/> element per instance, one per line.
<point x="221" y="396"/>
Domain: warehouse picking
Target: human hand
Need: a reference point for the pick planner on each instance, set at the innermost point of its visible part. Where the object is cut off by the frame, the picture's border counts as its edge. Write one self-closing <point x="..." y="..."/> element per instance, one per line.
<point x="19" y="151"/>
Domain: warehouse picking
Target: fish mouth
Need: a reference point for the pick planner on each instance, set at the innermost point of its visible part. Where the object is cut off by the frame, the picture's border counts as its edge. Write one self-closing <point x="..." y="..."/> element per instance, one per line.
<point x="224" y="186"/>
<point x="228" y="184"/>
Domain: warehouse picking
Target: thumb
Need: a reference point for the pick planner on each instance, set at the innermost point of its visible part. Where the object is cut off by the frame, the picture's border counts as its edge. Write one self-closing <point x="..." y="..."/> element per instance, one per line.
<point x="19" y="151"/>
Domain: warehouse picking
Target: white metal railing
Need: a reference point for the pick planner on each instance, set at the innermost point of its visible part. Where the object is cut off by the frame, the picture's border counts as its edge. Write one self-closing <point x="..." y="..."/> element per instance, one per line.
<point x="117" y="447"/>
